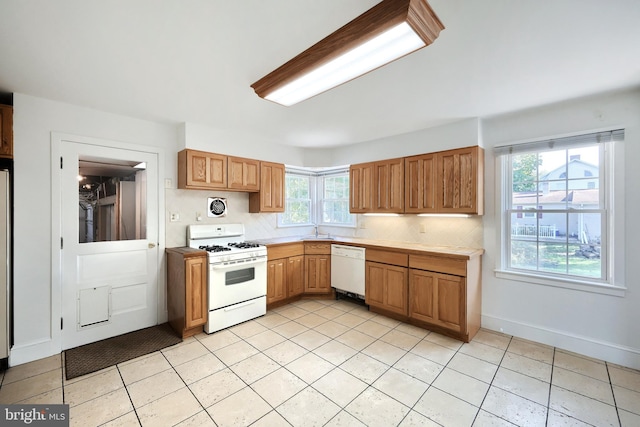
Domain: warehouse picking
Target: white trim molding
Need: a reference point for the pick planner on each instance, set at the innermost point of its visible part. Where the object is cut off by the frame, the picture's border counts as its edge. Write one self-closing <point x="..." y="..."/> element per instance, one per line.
<point x="607" y="351"/>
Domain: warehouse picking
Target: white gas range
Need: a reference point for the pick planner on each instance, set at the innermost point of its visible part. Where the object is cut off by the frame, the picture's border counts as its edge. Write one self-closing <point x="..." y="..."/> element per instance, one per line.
<point x="237" y="276"/>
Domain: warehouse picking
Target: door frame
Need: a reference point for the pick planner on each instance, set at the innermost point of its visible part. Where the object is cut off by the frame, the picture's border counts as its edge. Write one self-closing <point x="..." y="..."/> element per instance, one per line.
<point x="56" y="226"/>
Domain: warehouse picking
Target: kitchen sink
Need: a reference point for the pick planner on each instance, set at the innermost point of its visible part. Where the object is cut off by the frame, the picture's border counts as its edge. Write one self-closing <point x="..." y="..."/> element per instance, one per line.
<point x="319" y="237"/>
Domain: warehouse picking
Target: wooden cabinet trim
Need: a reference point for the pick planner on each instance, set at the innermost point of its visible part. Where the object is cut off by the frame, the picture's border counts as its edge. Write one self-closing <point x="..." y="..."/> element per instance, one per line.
<point x="285" y="251"/>
<point x="456" y="267"/>
<point x="317" y="248"/>
<point x="6" y="131"/>
<point x="385" y="257"/>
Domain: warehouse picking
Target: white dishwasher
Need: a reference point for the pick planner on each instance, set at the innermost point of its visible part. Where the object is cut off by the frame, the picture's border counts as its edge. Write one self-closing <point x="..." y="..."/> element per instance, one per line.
<point x="347" y="270"/>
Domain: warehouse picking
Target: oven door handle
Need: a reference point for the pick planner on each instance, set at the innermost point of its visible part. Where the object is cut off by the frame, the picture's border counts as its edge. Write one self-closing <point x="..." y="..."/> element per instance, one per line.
<point x="237" y="306"/>
<point x="240" y="263"/>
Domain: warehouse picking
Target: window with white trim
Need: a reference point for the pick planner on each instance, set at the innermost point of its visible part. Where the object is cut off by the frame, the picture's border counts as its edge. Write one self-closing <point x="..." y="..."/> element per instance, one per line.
<point x="316" y="197"/>
<point x="557" y="207"/>
<point x="333" y="200"/>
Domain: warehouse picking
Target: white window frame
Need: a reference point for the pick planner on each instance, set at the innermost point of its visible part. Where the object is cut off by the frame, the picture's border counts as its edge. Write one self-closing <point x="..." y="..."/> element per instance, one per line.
<point x="330" y="173"/>
<point x="312" y="197"/>
<point x="316" y="194"/>
<point x="613" y="191"/>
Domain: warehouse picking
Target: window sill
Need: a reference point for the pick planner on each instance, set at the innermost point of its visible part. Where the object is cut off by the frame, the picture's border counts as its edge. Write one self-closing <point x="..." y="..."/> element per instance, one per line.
<point x="584" y="286"/>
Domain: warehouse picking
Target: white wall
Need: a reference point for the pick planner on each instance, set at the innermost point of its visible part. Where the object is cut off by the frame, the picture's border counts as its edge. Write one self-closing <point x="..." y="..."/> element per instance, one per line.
<point x="598" y="325"/>
<point x="36" y="330"/>
<point x="602" y="326"/>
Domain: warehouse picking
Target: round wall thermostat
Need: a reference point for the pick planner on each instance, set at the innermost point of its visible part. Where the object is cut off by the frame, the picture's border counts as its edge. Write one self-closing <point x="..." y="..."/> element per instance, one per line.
<point x="217" y="207"/>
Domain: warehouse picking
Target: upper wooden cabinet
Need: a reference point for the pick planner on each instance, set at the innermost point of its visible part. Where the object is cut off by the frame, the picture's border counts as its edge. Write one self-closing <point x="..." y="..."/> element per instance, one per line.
<point x="420" y="183"/>
<point x="460" y="181"/>
<point x="449" y="181"/>
<point x="271" y="195"/>
<point x="6" y="131"/>
<point x="361" y="188"/>
<point x="388" y="180"/>
<point x="377" y="187"/>
<point x="243" y="174"/>
<point x="201" y="170"/>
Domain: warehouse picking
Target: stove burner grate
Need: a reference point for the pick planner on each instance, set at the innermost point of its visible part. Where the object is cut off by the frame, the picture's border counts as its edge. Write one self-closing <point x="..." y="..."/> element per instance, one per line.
<point x="244" y="245"/>
<point x="214" y="248"/>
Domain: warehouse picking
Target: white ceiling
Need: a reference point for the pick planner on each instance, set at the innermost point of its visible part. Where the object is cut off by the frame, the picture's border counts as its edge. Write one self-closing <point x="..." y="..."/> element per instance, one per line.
<point x="194" y="61"/>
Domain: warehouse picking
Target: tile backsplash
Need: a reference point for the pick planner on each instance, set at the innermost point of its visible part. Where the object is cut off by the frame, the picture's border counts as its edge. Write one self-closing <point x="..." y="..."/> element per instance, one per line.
<point x="465" y="232"/>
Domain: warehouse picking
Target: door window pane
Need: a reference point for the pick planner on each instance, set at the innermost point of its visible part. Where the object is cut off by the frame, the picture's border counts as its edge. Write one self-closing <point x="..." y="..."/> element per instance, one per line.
<point x="112" y="200"/>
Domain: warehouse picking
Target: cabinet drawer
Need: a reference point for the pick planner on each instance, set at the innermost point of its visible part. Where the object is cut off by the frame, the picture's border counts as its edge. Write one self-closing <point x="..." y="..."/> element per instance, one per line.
<point x="393" y="258"/>
<point x="453" y="266"/>
<point x="317" y="248"/>
<point x="285" y="251"/>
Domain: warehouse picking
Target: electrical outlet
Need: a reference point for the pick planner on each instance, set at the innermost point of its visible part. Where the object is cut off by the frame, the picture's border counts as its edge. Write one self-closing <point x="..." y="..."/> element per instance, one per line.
<point x="198" y="216"/>
<point x="174" y="216"/>
<point x="168" y="183"/>
<point x="423" y="228"/>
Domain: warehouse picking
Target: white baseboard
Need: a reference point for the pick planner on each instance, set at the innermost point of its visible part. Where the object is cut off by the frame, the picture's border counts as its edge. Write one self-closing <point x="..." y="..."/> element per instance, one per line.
<point x="29" y="352"/>
<point x="607" y="351"/>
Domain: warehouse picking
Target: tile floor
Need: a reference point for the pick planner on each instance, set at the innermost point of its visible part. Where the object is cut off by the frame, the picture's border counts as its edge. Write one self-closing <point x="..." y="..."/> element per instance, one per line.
<point x="333" y="363"/>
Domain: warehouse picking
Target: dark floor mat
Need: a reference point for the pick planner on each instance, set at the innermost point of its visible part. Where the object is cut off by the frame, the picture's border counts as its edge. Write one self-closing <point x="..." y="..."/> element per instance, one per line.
<point x="102" y="354"/>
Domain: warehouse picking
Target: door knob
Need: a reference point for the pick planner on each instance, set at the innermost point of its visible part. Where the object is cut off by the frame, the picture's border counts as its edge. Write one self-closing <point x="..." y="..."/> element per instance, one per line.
<point x="152" y="245"/>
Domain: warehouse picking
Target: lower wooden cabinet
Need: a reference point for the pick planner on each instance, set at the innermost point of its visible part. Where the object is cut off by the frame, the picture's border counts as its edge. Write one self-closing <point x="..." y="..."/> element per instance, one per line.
<point x="437" y="298"/>
<point x="386" y="287"/>
<point x="285" y="278"/>
<point x="318" y="274"/>
<point x="317" y="266"/>
<point x="285" y="272"/>
<point x="445" y="293"/>
<point x="187" y="290"/>
<point x="276" y="280"/>
<point x="295" y="275"/>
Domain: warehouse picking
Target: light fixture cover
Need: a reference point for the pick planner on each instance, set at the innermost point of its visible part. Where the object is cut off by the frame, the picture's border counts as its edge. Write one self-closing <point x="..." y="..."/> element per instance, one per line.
<point x="384" y="33"/>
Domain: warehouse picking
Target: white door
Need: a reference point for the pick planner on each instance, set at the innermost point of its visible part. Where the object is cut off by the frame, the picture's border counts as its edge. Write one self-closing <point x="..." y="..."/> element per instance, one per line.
<point x="109" y="247"/>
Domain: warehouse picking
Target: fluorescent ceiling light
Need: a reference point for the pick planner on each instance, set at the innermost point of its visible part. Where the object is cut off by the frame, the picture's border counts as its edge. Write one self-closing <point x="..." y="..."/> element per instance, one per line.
<point x="141" y="165"/>
<point x="386" y="32"/>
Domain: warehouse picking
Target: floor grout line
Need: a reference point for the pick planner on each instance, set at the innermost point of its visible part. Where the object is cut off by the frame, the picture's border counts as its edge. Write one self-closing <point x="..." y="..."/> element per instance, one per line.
<point x="244" y="336"/>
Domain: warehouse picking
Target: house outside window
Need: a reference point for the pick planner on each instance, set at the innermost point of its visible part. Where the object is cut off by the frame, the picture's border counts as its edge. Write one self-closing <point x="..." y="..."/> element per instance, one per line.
<point x="316" y="197"/>
<point x="556" y="208"/>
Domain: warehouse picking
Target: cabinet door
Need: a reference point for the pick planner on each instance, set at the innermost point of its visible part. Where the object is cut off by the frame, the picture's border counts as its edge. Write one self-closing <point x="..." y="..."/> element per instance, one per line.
<point x="460" y="180"/>
<point x="244" y="174"/>
<point x="360" y="188"/>
<point x="295" y="275"/>
<point x="199" y="169"/>
<point x="196" y="291"/>
<point x="271" y="195"/>
<point x="386" y="287"/>
<point x="419" y="184"/>
<point x="318" y="277"/>
<point x="374" y="284"/>
<point x="6" y="131"/>
<point x="388" y="194"/>
<point x="276" y="280"/>
<point x="450" y="297"/>
<point x="421" y="293"/>
<point x="396" y="297"/>
<point x="439" y="299"/>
